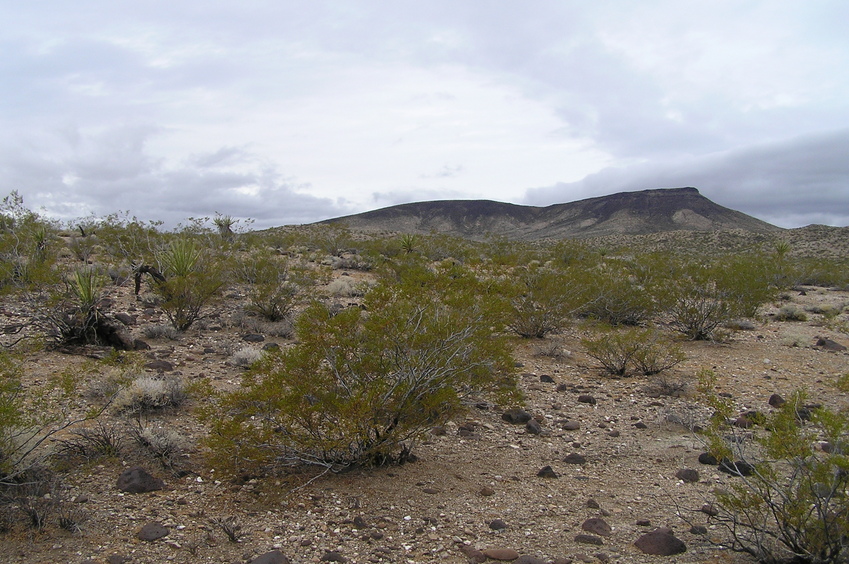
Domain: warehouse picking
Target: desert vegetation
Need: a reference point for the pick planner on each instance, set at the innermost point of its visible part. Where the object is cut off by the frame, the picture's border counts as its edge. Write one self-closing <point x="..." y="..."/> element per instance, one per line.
<point x="289" y="358"/>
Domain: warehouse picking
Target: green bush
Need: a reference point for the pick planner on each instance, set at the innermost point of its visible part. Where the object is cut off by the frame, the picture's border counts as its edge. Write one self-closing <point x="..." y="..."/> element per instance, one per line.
<point x="361" y="387"/>
<point x="792" y="506"/>
<point x="272" y="290"/>
<point x="192" y="280"/>
<point x="613" y="296"/>
<point x="541" y="300"/>
<point x="642" y="350"/>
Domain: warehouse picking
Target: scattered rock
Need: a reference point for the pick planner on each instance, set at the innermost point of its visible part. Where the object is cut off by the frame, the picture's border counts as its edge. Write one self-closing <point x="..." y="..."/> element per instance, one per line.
<point x="698" y="530"/>
<point x="533" y="427"/>
<point x="502" y="554"/>
<point x="546" y="379"/>
<point x="125" y="318"/>
<point x="253" y="338"/>
<point x="487" y="491"/>
<point x="687" y="475"/>
<point x="575" y="458"/>
<point x="829" y="345"/>
<point x="159" y="365"/>
<point x="708" y="459"/>
<point x="640" y="425"/>
<point x="138" y="480"/>
<point x="333" y="556"/>
<point x="525" y="559"/>
<point x="660" y="543"/>
<point x="643" y="523"/>
<point x="360" y="522"/>
<point x="736" y="468"/>
<point x="589" y="539"/>
<point x="497" y="525"/>
<point x="592" y="504"/>
<point x="570" y="426"/>
<point x="613" y="434"/>
<point x="273" y="557"/>
<point x="152" y="532"/>
<point x="597" y="526"/>
<point x="547" y="472"/>
<point x="709" y="509"/>
<point x="586" y="398"/>
<point x="472" y="553"/>
<point x="776" y="401"/>
<point x="516" y="416"/>
<point x="430" y="491"/>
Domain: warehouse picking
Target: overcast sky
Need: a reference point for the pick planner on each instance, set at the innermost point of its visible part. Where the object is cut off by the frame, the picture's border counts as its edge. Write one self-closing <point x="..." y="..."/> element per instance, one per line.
<point x="292" y="112"/>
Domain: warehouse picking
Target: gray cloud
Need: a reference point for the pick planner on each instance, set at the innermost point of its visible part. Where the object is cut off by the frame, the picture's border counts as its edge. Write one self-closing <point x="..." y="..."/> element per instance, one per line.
<point x="297" y="111"/>
<point x="789" y="183"/>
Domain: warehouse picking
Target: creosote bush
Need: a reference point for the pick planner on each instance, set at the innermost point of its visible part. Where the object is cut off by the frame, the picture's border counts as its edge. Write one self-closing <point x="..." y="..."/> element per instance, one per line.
<point x="361" y="386"/>
<point x="645" y="351"/>
<point x="792" y="506"/>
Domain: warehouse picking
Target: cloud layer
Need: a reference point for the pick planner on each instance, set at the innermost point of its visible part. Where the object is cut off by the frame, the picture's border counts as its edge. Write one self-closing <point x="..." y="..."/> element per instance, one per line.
<point x="291" y="112"/>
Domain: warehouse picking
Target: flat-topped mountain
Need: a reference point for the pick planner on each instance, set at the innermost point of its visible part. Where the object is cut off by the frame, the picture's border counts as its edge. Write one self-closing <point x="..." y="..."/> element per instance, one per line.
<point x="625" y="213"/>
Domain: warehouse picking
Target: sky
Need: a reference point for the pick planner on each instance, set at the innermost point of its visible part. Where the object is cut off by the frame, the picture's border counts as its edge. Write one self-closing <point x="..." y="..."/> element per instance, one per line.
<point x="290" y="112"/>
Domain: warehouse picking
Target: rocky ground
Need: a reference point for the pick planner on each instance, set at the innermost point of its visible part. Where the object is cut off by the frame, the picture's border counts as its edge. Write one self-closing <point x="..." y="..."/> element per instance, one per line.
<point x="600" y="470"/>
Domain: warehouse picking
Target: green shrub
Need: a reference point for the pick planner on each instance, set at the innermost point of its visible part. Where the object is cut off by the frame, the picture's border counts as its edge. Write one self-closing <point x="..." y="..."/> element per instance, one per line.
<point x="792" y="506"/>
<point x="541" y="300"/>
<point x="642" y="350"/>
<point x="272" y="289"/>
<point x="361" y="387"/>
<point x="790" y="312"/>
<point x="614" y="297"/>
<point x="191" y="282"/>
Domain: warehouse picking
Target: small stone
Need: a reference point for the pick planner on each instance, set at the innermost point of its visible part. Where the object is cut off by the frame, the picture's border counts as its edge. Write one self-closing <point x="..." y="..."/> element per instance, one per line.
<point x="709" y="509"/>
<point x="643" y="523"/>
<point x="597" y="526"/>
<point x="586" y="398"/>
<point x="159" y="366"/>
<point x="516" y="416"/>
<point x="138" y="480"/>
<point x="829" y="345"/>
<point x="575" y="458"/>
<point x="592" y="504"/>
<point x="502" y="554"/>
<point x="687" y="475"/>
<point x="589" y="539"/>
<point x="152" y="532"/>
<point x="487" y="491"/>
<point x="333" y="556"/>
<point x="360" y="522"/>
<point x="613" y="434"/>
<point x="533" y="427"/>
<point x="273" y="557"/>
<point x="430" y="491"/>
<point x="660" y="543"/>
<point x="708" y="459"/>
<point x="698" y="530"/>
<point x="472" y="553"/>
<point x="547" y="472"/>
<point x="640" y="425"/>
<point x="571" y="426"/>
<point x="546" y="379"/>
<point x="737" y="468"/>
<point x="497" y="525"/>
<point x="776" y="401"/>
<point x="253" y="338"/>
<point x="525" y="559"/>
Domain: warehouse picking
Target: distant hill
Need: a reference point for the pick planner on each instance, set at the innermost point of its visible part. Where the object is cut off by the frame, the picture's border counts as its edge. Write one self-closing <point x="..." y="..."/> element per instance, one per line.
<point x="625" y="213"/>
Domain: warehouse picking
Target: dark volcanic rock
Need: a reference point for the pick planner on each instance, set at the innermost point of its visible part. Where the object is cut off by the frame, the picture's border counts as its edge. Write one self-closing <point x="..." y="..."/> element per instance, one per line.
<point x="575" y="458"/>
<point x="152" y="532"/>
<point x="586" y="398"/>
<point x="589" y="539"/>
<point x="660" y="543"/>
<point x="547" y="472"/>
<point x="687" y="475"/>
<point x="597" y="526"/>
<point x="516" y="416"/>
<point x="138" y="480"/>
<point x="503" y="554"/>
<point x="708" y="459"/>
<point x="273" y="557"/>
<point x="533" y="427"/>
<point x="776" y="401"/>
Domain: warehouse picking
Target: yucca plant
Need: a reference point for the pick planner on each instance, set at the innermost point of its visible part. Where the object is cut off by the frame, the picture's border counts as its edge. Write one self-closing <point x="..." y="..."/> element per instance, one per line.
<point x="180" y="258"/>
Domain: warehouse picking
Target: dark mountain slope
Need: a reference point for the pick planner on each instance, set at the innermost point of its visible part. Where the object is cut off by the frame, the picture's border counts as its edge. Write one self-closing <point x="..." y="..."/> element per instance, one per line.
<point x="626" y="213"/>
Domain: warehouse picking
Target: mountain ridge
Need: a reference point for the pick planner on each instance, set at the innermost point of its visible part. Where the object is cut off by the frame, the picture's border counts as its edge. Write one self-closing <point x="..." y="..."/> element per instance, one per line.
<point x="624" y="213"/>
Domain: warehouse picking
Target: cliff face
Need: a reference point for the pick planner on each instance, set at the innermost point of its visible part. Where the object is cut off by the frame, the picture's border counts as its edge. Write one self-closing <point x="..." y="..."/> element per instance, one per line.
<point x="626" y="213"/>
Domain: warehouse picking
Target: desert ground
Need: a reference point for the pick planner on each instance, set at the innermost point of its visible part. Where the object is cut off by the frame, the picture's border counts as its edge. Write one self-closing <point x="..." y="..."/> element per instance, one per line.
<point x="476" y="485"/>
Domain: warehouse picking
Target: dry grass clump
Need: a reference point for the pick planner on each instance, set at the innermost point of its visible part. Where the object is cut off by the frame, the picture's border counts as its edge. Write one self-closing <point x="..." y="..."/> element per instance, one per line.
<point x="151" y="393"/>
<point x="245" y="357"/>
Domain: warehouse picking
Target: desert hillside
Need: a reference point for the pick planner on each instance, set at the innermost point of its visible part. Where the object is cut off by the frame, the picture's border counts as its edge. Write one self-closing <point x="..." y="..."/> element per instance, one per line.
<point x="623" y="214"/>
